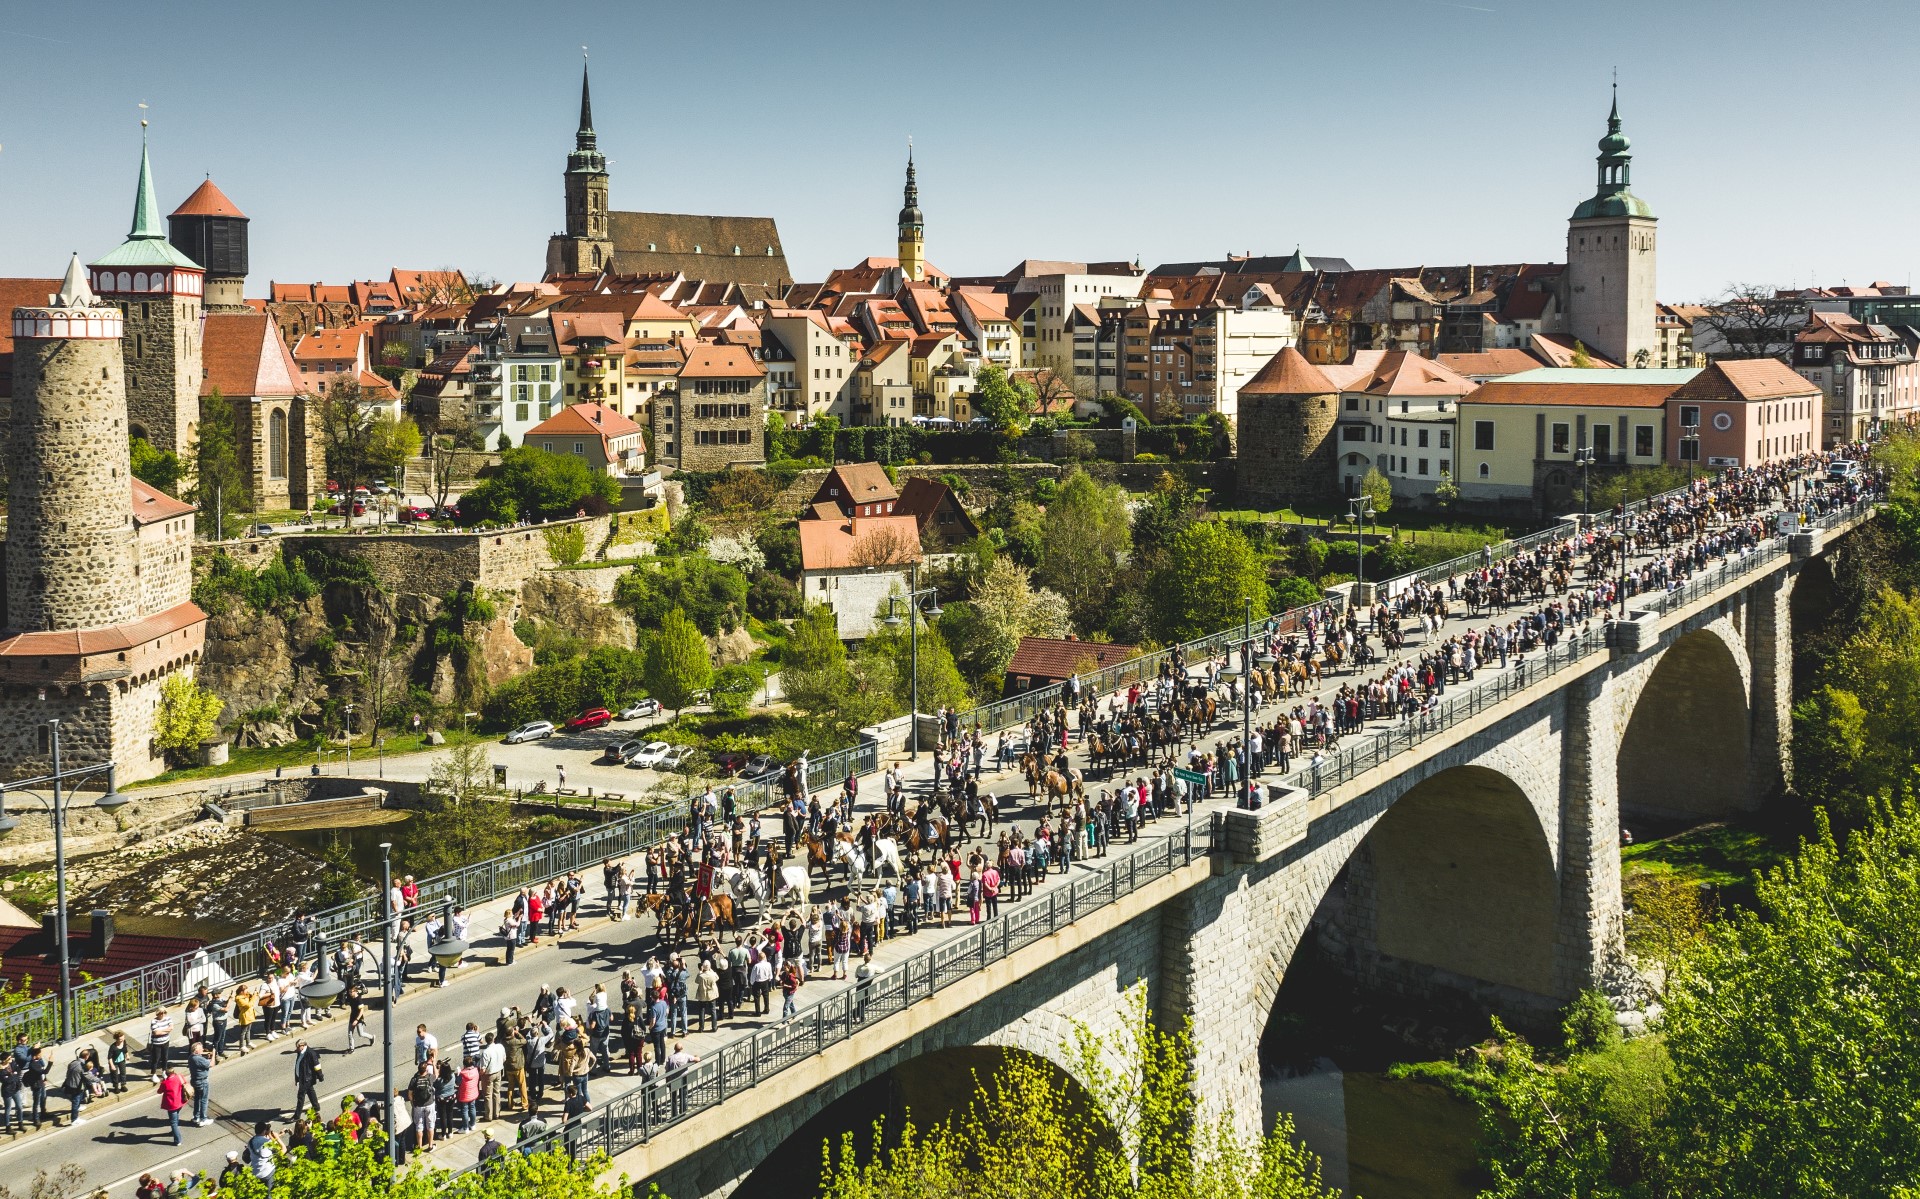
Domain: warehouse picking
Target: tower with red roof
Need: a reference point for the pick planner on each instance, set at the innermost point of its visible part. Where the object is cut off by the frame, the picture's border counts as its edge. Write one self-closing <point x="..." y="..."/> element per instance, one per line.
<point x="211" y="230"/>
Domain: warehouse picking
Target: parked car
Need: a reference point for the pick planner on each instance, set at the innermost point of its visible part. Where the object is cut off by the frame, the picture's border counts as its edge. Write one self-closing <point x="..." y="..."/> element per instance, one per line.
<point x="533" y="730"/>
<point x="592" y="718"/>
<point x="640" y="709"/>
<point x="410" y="512"/>
<point x="652" y="755"/>
<point x="333" y="486"/>
<point x="621" y="752"/>
<point x="759" y="766"/>
<point x="731" y="762"/>
<point x="381" y="487"/>
<point x="262" y="530"/>
<point x="675" y="758"/>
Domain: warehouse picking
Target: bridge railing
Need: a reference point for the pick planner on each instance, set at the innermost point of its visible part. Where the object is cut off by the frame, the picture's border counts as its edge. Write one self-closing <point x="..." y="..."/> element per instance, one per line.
<point x="636" y="1116"/>
<point x="104" y="1001"/>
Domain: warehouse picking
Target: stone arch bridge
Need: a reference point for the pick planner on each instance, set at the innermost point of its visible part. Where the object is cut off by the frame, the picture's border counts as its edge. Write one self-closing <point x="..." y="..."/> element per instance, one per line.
<point x="1479" y="862"/>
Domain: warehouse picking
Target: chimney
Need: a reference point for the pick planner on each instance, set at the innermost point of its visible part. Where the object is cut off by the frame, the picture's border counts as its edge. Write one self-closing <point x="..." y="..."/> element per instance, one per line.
<point x="100" y="934"/>
<point x="50" y="925"/>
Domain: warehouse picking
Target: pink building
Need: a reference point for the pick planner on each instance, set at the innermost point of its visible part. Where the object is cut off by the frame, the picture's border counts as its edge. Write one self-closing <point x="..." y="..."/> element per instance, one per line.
<point x="1744" y="412"/>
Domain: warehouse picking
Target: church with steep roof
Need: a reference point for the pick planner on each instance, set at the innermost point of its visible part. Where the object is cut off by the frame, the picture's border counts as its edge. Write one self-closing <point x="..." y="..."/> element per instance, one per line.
<point x="719" y="249"/>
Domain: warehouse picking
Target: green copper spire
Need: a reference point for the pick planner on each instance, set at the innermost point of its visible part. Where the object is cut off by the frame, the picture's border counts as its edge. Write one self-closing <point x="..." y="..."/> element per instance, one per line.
<point x="1612" y="196"/>
<point x="146" y="244"/>
<point x="146" y="209"/>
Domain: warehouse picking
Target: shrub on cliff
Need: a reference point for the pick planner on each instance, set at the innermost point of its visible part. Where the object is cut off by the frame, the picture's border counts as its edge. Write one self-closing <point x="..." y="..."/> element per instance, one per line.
<point x="538" y="485"/>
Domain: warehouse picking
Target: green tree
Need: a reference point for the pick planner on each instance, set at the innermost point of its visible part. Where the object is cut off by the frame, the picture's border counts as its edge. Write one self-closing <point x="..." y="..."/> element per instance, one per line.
<point x="611" y="676"/>
<point x="1119" y="1123"/>
<point x="1204" y="580"/>
<point x="813" y="668"/>
<point x="538" y="485"/>
<point x="392" y="443"/>
<point x="1085" y="534"/>
<point x="1294" y="592"/>
<point x="1377" y="491"/>
<point x="1862" y="723"/>
<point x="1446" y="493"/>
<point x="678" y="664"/>
<point x="347" y="417"/>
<point x="884" y="674"/>
<point x="154" y="466"/>
<point x="187" y="717"/>
<point x="461" y="775"/>
<point x="1009" y="607"/>
<point x="1168" y="508"/>
<point x="1005" y="401"/>
<point x="567" y="544"/>
<point x="217" y="484"/>
<point x="712" y="594"/>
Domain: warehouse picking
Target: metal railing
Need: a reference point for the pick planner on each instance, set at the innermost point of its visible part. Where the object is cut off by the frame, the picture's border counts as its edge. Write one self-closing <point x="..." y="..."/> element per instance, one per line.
<point x="100" y="1002"/>
<point x="636" y="1116"/>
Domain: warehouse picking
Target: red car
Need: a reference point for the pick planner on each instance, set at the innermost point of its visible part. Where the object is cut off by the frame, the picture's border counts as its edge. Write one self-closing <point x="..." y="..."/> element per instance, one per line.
<point x="592" y="718"/>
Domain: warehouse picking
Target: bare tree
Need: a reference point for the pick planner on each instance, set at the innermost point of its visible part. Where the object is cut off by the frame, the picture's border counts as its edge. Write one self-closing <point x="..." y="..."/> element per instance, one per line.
<point x="885" y="545"/>
<point x="1750" y="320"/>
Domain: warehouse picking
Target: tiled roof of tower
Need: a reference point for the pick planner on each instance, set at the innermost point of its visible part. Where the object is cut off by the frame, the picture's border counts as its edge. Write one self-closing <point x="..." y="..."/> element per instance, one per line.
<point x="208" y="200"/>
<point x="1288" y="373"/>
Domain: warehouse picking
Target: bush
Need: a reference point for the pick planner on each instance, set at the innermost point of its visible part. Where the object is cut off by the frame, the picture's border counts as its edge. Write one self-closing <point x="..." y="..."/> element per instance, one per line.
<point x="1587" y="1023"/>
<point x="539" y="486"/>
<point x="772" y="597"/>
<point x="713" y="595"/>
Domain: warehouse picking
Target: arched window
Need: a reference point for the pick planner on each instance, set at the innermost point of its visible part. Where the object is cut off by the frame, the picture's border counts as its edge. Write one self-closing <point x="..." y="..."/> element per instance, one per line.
<point x="277" y="444"/>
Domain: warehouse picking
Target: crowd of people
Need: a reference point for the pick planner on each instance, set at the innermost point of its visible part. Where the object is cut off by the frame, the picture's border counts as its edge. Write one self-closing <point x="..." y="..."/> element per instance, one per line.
<point x="1326" y="674"/>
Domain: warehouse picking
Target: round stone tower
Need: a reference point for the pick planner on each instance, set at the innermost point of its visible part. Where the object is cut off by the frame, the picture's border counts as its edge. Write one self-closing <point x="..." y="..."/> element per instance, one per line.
<point x="70" y="533"/>
<point x="1287" y="451"/>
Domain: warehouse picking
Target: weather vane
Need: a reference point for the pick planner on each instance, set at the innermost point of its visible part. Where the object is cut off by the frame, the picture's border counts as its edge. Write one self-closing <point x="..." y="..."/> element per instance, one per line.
<point x="143" y="120"/>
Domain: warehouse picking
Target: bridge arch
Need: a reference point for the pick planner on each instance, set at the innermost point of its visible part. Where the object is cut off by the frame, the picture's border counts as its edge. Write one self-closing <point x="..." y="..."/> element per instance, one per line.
<point x="1685" y="752"/>
<point x="931" y="1088"/>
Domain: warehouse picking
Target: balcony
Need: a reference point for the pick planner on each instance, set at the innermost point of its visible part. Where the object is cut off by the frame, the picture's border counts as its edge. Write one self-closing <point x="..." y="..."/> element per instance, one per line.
<point x="593" y="368"/>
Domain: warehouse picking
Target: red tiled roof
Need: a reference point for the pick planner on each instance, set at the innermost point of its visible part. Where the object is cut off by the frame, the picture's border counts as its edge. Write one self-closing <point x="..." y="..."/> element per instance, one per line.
<point x="708" y="361"/>
<point x="151" y="504"/>
<point x="593" y="420"/>
<point x="1490" y="362"/>
<point x="208" y="200"/>
<point x="834" y="544"/>
<point x="859" y="483"/>
<point x="243" y="354"/>
<point x="1747" y="379"/>
<point x="32" y="953"/>
<point x="1057" y="659"/>
<point x="71" y="643"/>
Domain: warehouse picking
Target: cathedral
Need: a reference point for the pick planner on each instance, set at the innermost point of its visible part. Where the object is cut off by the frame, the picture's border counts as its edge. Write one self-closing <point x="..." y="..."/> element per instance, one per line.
<point x="718" y="249"/>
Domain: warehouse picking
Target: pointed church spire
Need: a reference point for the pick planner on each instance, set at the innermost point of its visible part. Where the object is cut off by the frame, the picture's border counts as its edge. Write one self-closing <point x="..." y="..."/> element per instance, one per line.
<point x="912" y="194"/>
<point x="74" y="291"/>
<point x="146" y="209"/>
<point x="586" y="98"/>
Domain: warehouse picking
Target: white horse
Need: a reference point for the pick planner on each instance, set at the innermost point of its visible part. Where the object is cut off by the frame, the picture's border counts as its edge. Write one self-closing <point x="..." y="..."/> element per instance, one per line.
<point x="794" y="885"/>
<point x="742" y="884"/>
<point x="886" y="852"/>
<point x="849" y="857"/>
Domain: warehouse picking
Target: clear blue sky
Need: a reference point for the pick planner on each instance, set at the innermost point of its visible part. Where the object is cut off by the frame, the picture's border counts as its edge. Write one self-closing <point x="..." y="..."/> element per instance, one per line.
<point x="1769" y="138"/>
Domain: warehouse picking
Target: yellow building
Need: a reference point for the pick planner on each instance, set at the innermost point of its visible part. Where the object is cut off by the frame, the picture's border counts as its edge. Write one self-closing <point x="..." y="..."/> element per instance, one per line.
<point x="1522" y="437"/>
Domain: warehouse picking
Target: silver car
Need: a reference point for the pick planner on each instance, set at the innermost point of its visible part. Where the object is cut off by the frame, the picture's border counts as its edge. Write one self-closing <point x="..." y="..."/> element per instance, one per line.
<point x="533" y="730"/>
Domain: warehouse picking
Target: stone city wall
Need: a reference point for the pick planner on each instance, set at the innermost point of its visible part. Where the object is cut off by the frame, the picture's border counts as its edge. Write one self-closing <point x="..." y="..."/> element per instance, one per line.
<point x="437" y="563"/>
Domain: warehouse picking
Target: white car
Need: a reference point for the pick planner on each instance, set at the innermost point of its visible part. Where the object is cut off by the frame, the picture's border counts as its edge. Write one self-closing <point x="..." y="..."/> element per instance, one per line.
<point x="655" y="753"/>
<point x="676" y="757"/>
<point x="640" y="710"/>
<point x="533" y="730"/>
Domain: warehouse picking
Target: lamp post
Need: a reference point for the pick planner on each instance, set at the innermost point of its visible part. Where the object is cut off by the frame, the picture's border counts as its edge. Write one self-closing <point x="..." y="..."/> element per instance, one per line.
<point x="1362" y="512"/>
<point x="111" y="800"/>
<point x="386" y="991"/>
<point x="449" y="949"/>
<point x="325" y="987"/>
<point x="892" y="620"/>
<point x="1620" y="552"/>
<point x="1584" y="458"/>
<point x="1690" y="448"/>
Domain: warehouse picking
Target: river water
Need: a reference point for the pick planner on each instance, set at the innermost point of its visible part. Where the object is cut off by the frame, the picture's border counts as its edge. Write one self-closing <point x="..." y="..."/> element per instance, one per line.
<point x="1379" y="1137"/>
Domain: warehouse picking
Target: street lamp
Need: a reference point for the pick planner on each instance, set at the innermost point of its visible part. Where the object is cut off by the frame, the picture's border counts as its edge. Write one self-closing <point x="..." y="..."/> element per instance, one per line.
<point x="325" y="988"/>
<point x="1362" y="512"/>
<point x="892" y="620"/>
<point x="1620" y="552"/>
<point x="1584" y="458"/>
<point x="449" y="949"/>
<point x="110" y="801"/>
<point x="386" y="990"/>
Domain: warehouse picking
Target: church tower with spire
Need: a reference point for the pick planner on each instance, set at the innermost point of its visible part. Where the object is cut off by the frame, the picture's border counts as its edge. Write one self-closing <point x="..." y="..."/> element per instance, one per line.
<point x="913" y="231"/>
<point x="587" y="245"/>
<point x="159" y="290"/>
<point x="1610" y="260"/>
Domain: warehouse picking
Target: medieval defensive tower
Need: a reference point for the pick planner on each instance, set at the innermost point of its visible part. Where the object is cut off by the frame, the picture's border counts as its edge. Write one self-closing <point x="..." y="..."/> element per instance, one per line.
<point x="69" y="529"/>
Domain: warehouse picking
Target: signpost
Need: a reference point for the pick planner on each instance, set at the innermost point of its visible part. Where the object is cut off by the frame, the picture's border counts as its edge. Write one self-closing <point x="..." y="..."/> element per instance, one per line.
<point x="1196" y="786"/>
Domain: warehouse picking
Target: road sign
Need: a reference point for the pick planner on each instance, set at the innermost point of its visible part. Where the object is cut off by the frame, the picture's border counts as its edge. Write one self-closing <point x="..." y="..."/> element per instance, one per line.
<point x="1188" y="776"/>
